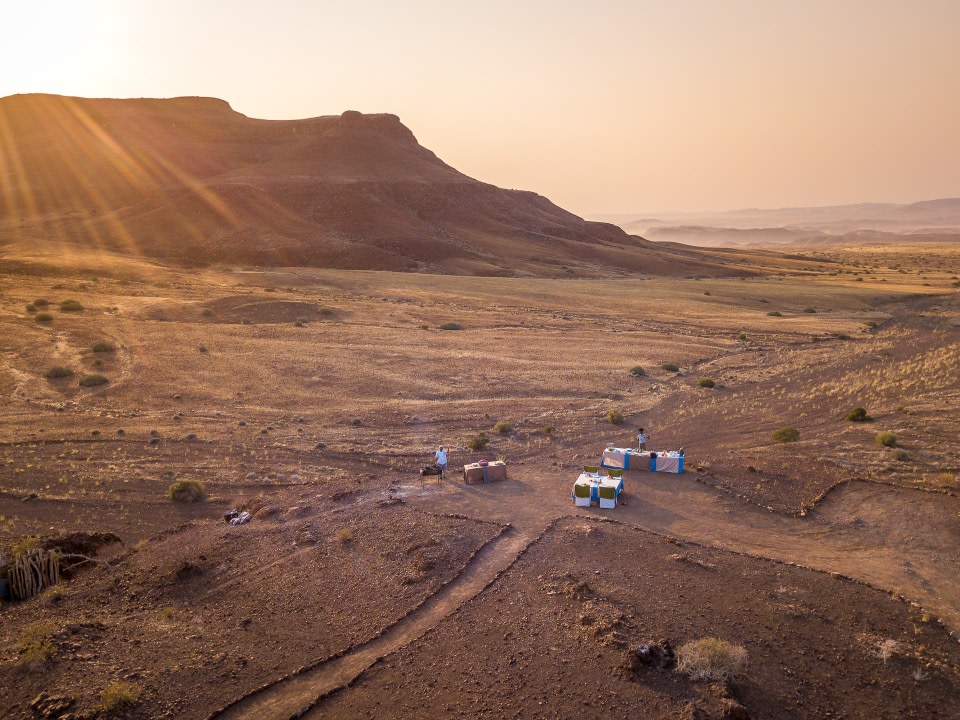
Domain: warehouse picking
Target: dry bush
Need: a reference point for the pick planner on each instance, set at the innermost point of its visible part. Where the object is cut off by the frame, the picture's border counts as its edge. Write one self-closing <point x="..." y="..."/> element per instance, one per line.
<point x="451" y="326"/>
<point x="43" y="317"/>
<point x="119" y="696"/>
<point x="886" y="439"/>
<point x="670" y="367"/>
<point x="706" y="382"/>
<point x="638" y="371"/>
<point x="503" y="427"/>
<point x="786" y="434"/>
<point x="70" y="306"/>
<point x="92" y="380"/>
<point x="615" y="417"/>
<point x="35" y="647"/>
<point x="711" y="659"/>
<point x="102" y="346"/>
<point x="479" y="442"/>
<point x="185" y="490"/>
<point x="58" y="371"/>
<point x="858" y="414"/>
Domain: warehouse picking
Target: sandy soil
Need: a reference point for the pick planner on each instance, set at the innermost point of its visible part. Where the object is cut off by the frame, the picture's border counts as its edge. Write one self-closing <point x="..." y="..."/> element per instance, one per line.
<point x="313" y="397"/>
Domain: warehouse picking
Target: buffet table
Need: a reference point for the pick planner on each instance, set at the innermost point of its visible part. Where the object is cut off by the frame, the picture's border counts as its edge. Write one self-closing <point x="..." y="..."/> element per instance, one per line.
<point x="488" y="472"/>
<point x="592" y="488"/>
<point x="629" y="459"/>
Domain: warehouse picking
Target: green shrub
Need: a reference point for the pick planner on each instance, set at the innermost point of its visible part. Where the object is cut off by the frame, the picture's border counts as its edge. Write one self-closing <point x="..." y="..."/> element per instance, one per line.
<point x="786" y="434"/>
<point x="706" y="382"/>
<point x="31" y="308"/>
<point x="711" y="659"/>
<point x="858" y="414"/>
<point x="119" y="696"/>
<point x="41" y="302"/>
<point x="451" y="326"/>
<point x="742" y="336"/>
<point x="615" y="417"/>
<point x="503" y="427"/>
<point x="70" y="306"/>
<point x="58" y="371"/>
<point x="638" y="371"/>
<point x="187" y="491"/>
<point x="93" y="379"/>
<point x="775" y="313"/>
<point x="670" y="367"/>
<point x="324" y="310"/>
<point x="479" y="442"/>
<point x="43" y="317"/>
<point x="102" y="346"/>
<point x="886" y="439"/>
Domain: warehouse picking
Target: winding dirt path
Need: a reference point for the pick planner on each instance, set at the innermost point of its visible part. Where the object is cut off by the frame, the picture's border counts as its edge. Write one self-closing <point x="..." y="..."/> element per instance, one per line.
<point x="292" y="697"/>
<point x="901" y="540"/>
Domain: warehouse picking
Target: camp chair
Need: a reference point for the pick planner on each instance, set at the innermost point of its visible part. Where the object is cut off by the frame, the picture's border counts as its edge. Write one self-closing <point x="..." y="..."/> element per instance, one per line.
<point x="614" y="473"/>
<point x="591" y="468"/>
<point x="608" y="496"/>
<point x="581" y="495"/>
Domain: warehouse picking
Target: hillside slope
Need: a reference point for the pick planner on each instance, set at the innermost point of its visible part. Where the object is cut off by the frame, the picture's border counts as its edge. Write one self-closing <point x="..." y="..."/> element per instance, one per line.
<point x="191" y="181"/>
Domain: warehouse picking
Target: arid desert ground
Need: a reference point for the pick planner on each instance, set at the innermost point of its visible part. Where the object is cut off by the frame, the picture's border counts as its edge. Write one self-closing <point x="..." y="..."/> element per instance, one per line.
<point x="312" y="397"/>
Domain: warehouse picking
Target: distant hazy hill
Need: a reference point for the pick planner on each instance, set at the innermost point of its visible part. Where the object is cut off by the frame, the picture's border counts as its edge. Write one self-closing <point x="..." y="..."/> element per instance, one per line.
<point x="190" y="180"/>
<point x="927" y="221"/>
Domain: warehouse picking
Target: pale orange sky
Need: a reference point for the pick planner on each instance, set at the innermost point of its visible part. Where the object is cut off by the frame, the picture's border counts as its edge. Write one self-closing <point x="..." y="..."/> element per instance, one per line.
<point x="604" y="107"/>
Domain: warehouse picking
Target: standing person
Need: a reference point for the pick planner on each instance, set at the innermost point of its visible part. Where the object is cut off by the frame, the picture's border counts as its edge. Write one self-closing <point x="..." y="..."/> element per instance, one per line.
<point x="441" y="456"/>
<point x="642" y="438"/>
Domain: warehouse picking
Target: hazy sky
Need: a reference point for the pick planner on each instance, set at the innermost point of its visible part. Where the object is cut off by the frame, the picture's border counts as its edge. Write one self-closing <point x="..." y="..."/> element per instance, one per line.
<point x="604" y="106"/>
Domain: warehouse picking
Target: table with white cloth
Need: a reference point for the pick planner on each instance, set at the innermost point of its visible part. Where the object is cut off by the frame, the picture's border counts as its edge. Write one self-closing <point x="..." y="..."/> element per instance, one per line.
<point x="594" y="481"/>
<point x="625" y="459"/>
<point x="630" y="459"/>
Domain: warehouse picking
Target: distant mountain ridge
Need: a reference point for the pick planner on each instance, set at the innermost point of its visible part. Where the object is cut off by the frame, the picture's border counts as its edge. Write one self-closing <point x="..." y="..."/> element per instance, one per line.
<point x="192" y="181"/>
<point x="838" y="224"/>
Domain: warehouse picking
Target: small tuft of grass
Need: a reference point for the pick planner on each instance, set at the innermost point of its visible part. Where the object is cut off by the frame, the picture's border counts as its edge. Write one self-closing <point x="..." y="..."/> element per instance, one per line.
<point x="119" y="697"/>
<point x="59" y="371"/>
<point x="43" y="317"/>
<point x="858" y="414"/>
<point x="344" y="536"/>
<point x="742" y="336"/>
<point x="615" y="417"/>
<point x="900" y="455"/>
<point x="31" y="308"/>
<point x="187" y="491"/>
<point x="670" y="367"/>
<point x="478" y="443"/>
<point x="93" y="379"/>
<point x="451" y="326"/>
<point x="70" y="306"/>
<point x="706" y="382"/>
<point x="711" y="659"/>
<point x="35" y="647"/>
<point x="886" y="439"/>
<point x="548" y="429"/>
<point x="786" y="434"/>
<point x="102" y="346"/>
<point x="168" y="613"/>
<point x="503" y="427"/>
<point x="638" y="371"/>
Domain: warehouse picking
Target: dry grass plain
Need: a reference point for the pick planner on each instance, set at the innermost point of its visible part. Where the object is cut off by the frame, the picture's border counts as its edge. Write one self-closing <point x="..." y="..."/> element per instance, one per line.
<point x="313" y="397"/>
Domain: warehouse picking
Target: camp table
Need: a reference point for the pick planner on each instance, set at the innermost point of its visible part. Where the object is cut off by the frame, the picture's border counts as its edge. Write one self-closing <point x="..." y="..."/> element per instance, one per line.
<point x="594" y="481"/>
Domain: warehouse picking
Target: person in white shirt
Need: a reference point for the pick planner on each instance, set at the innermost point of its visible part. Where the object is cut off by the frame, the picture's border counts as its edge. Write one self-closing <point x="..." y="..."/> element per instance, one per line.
<point x="441" y="456"/>
<point x="642" y="439"/>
